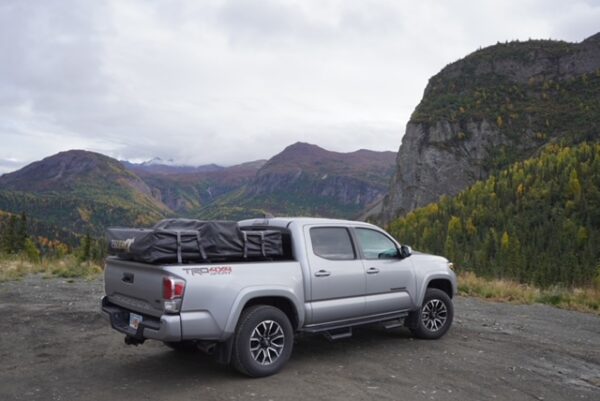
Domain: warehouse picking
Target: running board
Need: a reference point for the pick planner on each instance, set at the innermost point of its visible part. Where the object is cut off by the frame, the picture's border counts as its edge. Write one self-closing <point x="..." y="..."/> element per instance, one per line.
<point x="344" y="324"/>
<point x="338" y="334"/>
<point x="393" y="324"/>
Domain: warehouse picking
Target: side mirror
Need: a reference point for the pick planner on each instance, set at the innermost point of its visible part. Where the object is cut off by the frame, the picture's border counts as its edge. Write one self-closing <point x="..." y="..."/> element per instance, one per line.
<point x="405" y="251"/>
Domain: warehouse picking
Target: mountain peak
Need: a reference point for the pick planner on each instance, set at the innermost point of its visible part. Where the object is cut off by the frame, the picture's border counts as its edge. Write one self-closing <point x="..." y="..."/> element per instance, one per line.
<point x="302" y="156"/>
<point x="64" y="170"/>
<point x="157" y="161"/>
<point x="303" y="147"/>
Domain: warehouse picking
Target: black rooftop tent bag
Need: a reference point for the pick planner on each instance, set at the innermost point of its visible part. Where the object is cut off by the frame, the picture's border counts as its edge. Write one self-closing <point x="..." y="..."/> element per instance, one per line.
<point x="187" y="240"/>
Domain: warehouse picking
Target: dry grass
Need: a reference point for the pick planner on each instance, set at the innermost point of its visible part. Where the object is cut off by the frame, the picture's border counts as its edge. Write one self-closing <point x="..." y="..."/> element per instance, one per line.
<point x="579" y="299"/>
<point x="17" y="267"/>
<point x="469" y="284"/>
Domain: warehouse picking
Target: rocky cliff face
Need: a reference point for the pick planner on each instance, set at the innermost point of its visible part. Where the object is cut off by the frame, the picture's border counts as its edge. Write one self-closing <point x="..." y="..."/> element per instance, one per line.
<point x="428" y="166"/>
<point x="496" y="106"/>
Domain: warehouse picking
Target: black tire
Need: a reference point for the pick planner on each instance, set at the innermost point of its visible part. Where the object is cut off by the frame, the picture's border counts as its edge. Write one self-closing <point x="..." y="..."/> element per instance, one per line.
<point x="434" y="318"/>
<point x="262" y="326"/>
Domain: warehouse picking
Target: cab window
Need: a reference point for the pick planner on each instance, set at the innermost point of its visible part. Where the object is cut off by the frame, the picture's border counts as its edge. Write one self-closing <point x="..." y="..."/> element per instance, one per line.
<point x="375" y="245"/>
<point x="332" y="243"/>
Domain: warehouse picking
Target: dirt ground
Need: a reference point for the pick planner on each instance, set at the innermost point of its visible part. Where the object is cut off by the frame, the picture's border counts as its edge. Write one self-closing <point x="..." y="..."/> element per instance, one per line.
<point x="54" y="345"/>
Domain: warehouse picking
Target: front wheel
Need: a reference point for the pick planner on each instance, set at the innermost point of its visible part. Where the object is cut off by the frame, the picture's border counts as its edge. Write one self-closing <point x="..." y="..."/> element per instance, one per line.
<point x="263" y="341"/>
<point x="434" y="318"/>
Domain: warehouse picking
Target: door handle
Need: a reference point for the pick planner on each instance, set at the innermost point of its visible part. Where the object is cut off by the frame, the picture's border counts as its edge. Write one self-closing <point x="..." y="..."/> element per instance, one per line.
<point x="372" y="270"/>
<point x="322" y="273"/>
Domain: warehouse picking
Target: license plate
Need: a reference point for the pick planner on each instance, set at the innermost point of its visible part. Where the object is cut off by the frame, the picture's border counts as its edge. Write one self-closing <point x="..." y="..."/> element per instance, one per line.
<point x="134" y="320"/>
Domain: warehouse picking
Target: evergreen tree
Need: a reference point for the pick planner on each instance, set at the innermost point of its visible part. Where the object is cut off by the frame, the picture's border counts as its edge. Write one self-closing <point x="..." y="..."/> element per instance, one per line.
<point x="20" y="233"/>
<point x="85" y="251"/>
<point x="31" y="251"/>
<point x="10" y="235"/>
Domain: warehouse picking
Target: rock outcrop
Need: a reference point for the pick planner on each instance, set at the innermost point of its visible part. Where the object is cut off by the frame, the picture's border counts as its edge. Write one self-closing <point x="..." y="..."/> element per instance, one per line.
<point x="496" y="106"/>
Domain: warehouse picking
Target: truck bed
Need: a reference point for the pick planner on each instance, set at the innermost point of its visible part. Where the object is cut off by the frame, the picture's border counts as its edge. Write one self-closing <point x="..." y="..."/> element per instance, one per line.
<point x="212" y="291"/>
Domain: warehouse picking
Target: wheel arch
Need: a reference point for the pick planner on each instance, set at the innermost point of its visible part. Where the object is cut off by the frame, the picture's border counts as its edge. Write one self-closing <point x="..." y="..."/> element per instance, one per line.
<point x="282" y="303"/>
<point x="443" y="284"/>
<point x="283" y="299"/>
<point x="442" y="281"/>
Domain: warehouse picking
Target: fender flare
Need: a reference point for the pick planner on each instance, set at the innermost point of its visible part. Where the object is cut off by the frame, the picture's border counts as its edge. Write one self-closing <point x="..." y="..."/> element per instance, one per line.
<point x="249" y="293"/>
<point x="435" y="276"/>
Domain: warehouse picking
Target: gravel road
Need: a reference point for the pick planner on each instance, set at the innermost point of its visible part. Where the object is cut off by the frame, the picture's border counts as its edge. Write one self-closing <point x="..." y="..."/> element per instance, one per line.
<point x="55" y="346"/>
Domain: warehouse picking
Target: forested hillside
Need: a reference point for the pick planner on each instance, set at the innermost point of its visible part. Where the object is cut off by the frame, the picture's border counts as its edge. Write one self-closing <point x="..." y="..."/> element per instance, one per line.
<point x="81" y="192"/>
<point x="537" y="221"/>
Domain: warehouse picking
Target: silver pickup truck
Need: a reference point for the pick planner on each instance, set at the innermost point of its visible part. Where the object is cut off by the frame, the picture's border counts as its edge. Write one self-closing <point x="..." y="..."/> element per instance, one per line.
<point x="335" y="275"/>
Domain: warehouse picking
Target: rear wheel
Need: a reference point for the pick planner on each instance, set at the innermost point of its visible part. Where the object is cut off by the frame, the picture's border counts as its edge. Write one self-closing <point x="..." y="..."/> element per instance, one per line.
<point x="263" y="341"/>
<point x="434" y="318"/>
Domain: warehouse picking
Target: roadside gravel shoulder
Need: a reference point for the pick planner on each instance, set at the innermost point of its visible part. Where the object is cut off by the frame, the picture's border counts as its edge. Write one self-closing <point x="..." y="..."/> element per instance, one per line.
<point x="55" y="346"/>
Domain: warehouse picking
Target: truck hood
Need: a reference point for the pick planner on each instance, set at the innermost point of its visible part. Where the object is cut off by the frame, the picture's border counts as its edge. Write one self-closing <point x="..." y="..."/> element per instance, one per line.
<point x="428" y="256"/>
<point x="425" y="259"/>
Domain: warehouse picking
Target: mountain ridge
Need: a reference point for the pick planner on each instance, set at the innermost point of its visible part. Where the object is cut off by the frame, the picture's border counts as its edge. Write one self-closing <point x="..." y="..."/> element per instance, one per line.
<point x="84" y="191"/>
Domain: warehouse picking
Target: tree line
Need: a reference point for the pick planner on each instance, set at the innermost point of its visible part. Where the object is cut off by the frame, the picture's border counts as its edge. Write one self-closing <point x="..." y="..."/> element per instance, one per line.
<point x="17" y="237"/>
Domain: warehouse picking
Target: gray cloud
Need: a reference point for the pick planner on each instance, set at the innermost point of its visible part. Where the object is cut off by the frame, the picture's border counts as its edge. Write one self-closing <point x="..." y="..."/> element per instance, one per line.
<point x="230" y="81"/>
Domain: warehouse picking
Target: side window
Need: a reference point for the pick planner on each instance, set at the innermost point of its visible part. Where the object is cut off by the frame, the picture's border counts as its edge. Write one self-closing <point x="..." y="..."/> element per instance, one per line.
<point x="375" y="245"/>
<point x="332" y="243"/>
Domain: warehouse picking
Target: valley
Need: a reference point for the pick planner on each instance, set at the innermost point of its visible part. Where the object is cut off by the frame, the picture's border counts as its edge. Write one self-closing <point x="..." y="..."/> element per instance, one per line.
<point x="497" y="170"/>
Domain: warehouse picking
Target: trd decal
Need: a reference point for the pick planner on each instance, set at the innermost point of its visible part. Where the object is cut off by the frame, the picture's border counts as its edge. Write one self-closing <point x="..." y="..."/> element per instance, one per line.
<point x="211" y="271"/>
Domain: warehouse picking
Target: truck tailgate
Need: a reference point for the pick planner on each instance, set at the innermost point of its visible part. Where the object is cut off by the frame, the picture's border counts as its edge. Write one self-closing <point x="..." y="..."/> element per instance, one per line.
<point x="135" y="286"/>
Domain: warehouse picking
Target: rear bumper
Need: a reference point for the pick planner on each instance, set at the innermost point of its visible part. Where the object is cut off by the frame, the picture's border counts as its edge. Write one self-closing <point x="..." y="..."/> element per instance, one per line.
<point x="165" y="328"/>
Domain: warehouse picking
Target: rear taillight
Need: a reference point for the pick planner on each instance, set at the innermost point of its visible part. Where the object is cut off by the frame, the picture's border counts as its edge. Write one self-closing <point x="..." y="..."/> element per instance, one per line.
<point x="173" y="288"/>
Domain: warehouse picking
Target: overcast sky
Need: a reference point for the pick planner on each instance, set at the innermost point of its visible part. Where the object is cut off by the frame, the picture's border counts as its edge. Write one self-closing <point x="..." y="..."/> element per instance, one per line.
<point x="231" y="81"/>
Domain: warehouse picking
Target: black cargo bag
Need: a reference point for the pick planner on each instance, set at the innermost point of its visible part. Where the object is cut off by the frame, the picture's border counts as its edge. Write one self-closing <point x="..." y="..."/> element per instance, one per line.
<point x="121" y="240"/>
<point x="186" y="240"/>
<point x="262" y="243"/>
<point x="153" y="246"/>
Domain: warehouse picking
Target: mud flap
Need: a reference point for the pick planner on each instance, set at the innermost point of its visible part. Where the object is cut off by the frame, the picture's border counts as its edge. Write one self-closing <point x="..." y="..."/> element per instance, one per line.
<point x="223" y="351"/>
<point x="412" y="320"/>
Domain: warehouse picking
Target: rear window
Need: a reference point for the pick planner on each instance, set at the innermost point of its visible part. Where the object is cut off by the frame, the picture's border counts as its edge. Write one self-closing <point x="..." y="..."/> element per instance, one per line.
<point x="332" y="243"/>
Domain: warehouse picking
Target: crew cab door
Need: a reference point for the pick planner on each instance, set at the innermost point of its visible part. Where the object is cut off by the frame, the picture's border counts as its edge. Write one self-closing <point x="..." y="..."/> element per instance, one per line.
<point x="337" y="275"/>
<point x="390" y="279"/>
